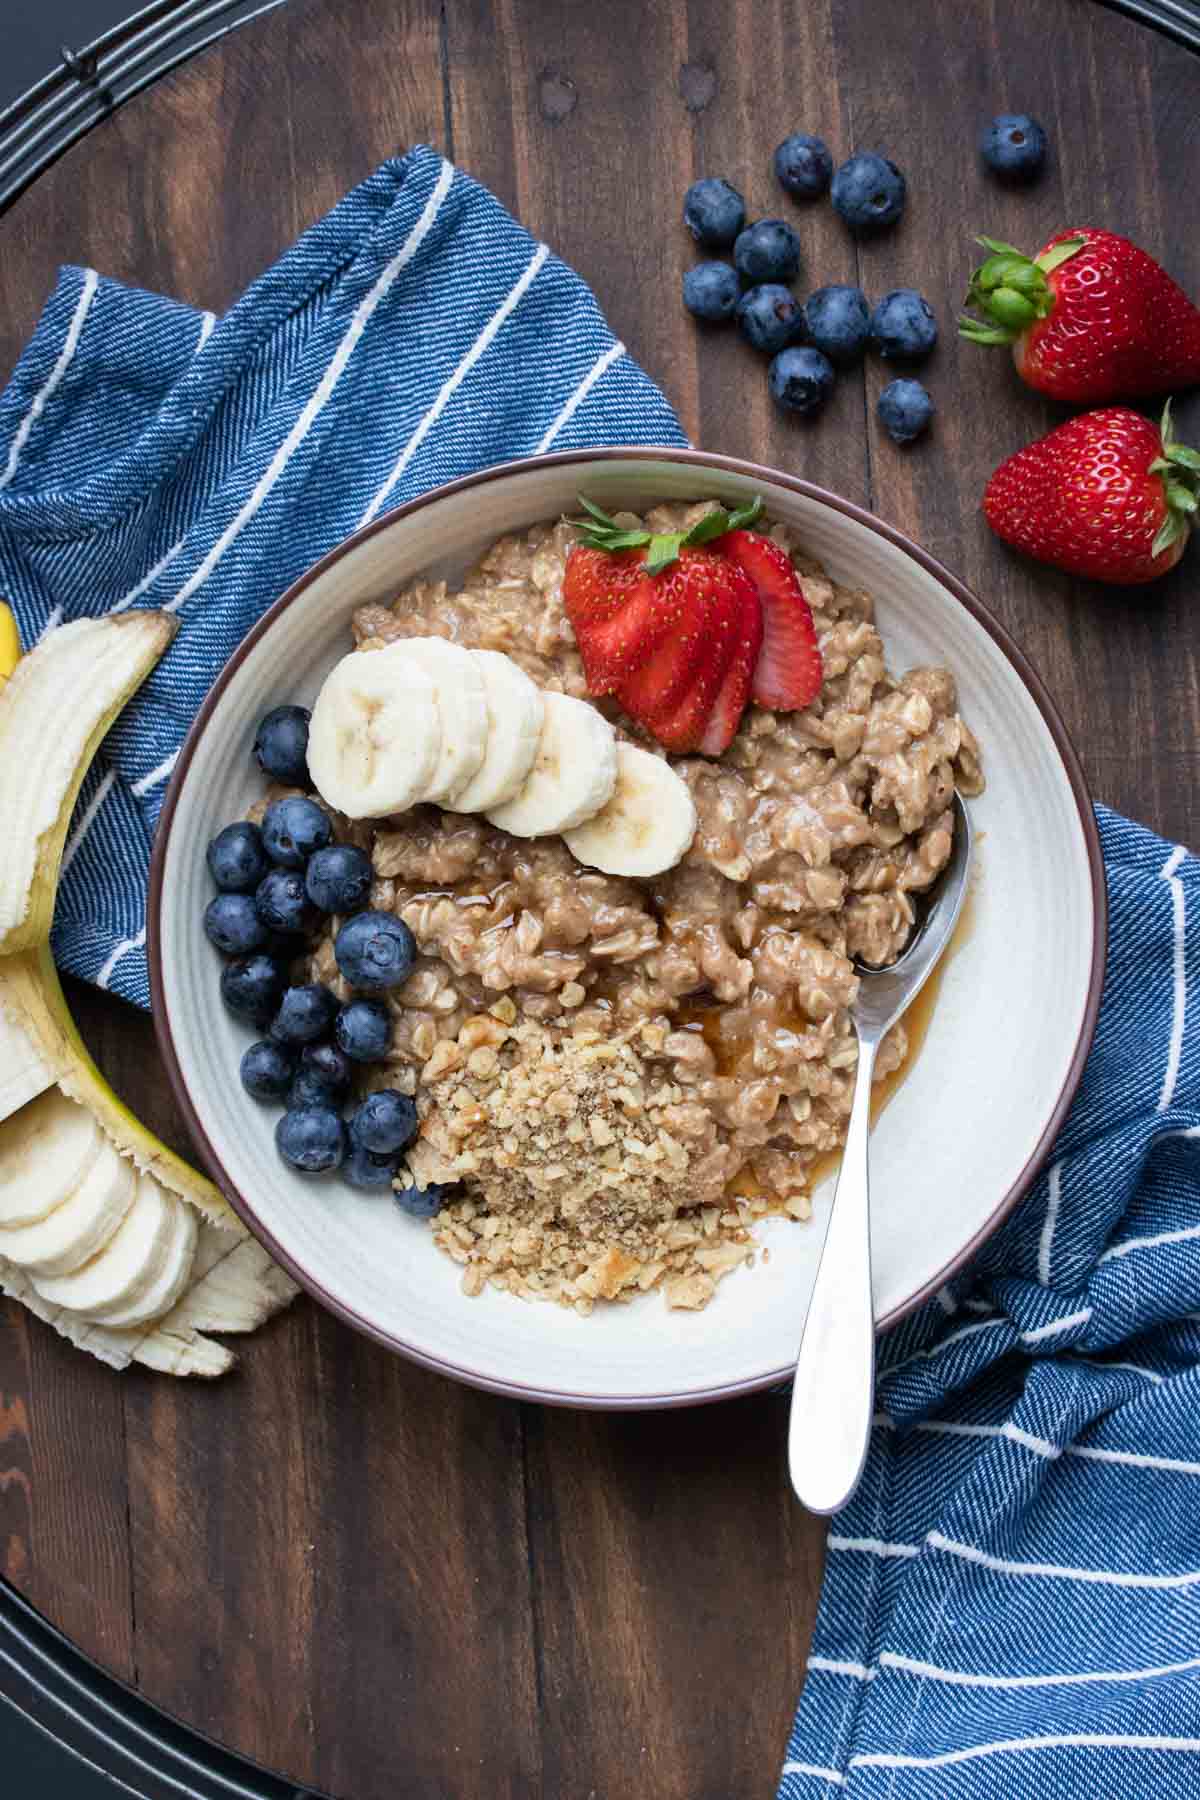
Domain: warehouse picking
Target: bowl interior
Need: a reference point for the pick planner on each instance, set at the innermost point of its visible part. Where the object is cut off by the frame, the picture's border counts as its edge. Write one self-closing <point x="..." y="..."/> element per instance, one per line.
<point x="953" y="1143"/>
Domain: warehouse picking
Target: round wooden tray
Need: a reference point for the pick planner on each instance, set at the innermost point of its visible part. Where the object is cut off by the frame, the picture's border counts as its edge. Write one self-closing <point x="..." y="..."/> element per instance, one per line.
<point x="378" y="1582"/>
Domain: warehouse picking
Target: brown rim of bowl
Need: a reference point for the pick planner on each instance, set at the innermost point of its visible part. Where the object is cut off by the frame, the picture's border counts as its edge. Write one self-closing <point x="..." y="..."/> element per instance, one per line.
<point x="751" y="472"/>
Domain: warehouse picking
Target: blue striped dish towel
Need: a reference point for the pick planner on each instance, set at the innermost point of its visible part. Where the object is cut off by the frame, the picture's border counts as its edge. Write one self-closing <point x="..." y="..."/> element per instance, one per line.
<point x="153" y="456"/>
<point x="1011" y="1603"/>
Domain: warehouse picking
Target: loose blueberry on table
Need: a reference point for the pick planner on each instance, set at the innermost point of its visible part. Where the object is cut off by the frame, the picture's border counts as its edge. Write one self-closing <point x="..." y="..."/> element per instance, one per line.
<point x="903" y="326"/>
<point x="904" y="409"/>
<point x="1013" y="146"/>
<point x="714" y="212"/>
<point x="868" y="192"/>
<point x="801" y="380"/>
<point x="768" y="250"/>
<point x="804" y="166"/>
<point x="769" y="316"/>
<point x="710" y="291"/>
<point x="276" y="884"/>
<point x="837" y="322"/>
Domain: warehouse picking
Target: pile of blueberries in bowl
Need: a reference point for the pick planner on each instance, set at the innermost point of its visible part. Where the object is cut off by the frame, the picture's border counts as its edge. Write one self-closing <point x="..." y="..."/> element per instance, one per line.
<point x="278" y="884"/>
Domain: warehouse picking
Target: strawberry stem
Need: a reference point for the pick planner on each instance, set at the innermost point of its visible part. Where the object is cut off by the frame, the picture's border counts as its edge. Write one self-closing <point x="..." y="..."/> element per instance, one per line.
<point x="1179" y="467"/>
<point x="601" y="532"/>
<point x="1011" y="290"/>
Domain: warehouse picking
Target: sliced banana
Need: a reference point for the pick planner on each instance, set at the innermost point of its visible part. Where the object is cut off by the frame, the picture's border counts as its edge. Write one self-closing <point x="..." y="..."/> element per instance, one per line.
<point x="375" y="736"/>
<point x="73" y="1233"/>
<point x="515" y="711"/>
<point x="647" y="826"/>
<point x="24" y="1072"/>
<point x="129" y="1263"/>
<point x="46" y="1149"/>
<point x="162" y="1293"/>
<point x="573" y="773"/>
<point x="462" y="704"/>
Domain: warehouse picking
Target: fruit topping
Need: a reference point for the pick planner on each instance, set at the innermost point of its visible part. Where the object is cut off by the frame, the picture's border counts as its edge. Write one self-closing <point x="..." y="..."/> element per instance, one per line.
<point x="787" y="675"/>
<point x="837" y="322"/>
<point x="311" y="1139"/>
<point x="768" y="250"/>
<point x="770" y="316"/>
<point x="237" y="860"/>
<point x="868" y="192"/>
<point x="305" y="1014"/>
<point x="710" y="291"/>
<point x="293" y="828"/>
<point x="252" y="987"/>
<point x="232" y="924"/>
<point x="375" y="951"/>
<point x="804" y="166"/>
<point x="714" y="212"/>
<point x="648" y="824"/>
<point x="384" y="1123"/>
<point x="1013" y="146"/>
<point x="363" y="1031"/>
<point x="801" y="380"/>
<point x="903" y="326"/>
<point x="281" y="745"/>
<point x="904" y="409"/>
<point x="267" y="1069"/>
<point x="338" y="878"/>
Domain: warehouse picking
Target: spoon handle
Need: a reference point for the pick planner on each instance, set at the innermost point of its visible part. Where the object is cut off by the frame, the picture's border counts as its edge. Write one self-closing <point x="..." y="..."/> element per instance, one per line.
<point x="833" y="1393"/>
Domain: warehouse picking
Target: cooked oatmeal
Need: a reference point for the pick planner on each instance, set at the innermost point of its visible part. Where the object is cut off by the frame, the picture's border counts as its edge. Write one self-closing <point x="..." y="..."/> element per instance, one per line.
<point x="624" y="1074"/>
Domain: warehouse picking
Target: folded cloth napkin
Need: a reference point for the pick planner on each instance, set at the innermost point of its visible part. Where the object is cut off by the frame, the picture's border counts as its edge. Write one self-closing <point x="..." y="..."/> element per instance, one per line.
<point x="153" y="456"/>
<point x="1010" y="1603"/>
<point x="1012" y="1600"/>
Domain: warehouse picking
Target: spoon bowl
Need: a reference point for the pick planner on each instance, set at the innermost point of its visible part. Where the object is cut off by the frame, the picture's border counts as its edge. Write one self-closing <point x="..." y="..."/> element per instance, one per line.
<point x="834" y="1386"/>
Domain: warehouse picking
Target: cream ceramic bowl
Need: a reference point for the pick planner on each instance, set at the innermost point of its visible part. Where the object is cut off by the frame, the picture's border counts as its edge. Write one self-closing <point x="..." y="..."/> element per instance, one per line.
<point x="957" y="1146"/>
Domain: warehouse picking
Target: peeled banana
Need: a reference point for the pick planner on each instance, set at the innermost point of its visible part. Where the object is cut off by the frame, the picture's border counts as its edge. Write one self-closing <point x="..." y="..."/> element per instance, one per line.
<point x="105" y="1232"/>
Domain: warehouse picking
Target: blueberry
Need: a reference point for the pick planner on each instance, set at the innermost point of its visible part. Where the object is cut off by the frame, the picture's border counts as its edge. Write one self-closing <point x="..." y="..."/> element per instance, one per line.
<point x="236" y="859"/>
<point x="1013" y="146"/>
<point x="328" y="1065"/>
<point x="363" y="1030"/>
<point x="804" y="165"/>
<point x="769" y="316"/>
<point x="305" y="1014"/>
<point x="768" y="250"/>
<point x="307" y="1089"/>
<point x="338" y="878"/>
<point x="375" y="950"/>
<point x="905" y="409"/>
<point x="713" y="212"/>
<point x="837" y="321"/>
<point x="710" y="291"/>
<point x="293" y="828"/>
<point x="311" y="1138"/>
<point x="801" y="380"/>
<point x="366" y="1171"/>
<point x="423" y="1203"/>
<point x="233" y="925"/>
<point x="384" y="1123"/>
<point x="903" y="325"/>
<point x="267" y="1070"/>
<point x="282" y="903"/>
<point x="281" y="745"/>
<point x="251" y="987"/>
<point x="869" y="192"/>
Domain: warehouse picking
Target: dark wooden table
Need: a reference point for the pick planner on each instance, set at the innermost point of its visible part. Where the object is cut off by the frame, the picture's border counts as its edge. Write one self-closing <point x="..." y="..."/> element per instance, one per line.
<point x="380" y="1582"/>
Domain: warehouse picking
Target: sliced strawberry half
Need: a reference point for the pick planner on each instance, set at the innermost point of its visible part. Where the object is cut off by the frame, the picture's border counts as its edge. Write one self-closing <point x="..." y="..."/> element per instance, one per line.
<point x="608" y="599"/>
<point x="788" y="673"/>
<point x="734" y="692"/>
<point x="691" y="659"/>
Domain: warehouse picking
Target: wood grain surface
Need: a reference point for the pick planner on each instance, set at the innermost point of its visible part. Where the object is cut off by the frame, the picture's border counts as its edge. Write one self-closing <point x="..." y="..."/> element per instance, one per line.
<point x="380" y="1582"/>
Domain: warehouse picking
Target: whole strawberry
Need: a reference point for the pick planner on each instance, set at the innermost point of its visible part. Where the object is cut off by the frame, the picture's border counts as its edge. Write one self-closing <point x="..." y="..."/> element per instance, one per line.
<point x="1108" y="495"/>
<point x="1090" y="317"/>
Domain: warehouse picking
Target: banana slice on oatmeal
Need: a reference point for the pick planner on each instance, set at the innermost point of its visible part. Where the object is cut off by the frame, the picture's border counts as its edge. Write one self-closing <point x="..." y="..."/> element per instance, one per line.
<point x="375" y="737"/>
<point x="573" y="773"/>
<point x="648" y="824"/>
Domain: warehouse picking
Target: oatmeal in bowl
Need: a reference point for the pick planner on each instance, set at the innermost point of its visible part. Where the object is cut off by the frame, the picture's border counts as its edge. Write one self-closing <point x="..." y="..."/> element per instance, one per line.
<point x="582" y="1011"/>
<point x="614" y="1075"/>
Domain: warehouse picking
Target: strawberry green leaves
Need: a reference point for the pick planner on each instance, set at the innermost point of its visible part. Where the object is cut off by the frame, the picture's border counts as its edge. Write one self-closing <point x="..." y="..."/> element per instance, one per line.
<point x="601" y="532"/>
<point x="1179" y="466"/>
<point x="1011" y="290"/>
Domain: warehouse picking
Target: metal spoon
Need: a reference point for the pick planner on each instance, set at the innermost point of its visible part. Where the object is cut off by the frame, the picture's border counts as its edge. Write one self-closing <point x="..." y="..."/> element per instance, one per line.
<point x="833" y="1393"/>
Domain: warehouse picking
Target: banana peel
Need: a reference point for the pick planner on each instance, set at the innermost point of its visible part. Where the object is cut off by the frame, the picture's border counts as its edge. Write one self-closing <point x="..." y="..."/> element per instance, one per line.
<point x="79" y="679"/>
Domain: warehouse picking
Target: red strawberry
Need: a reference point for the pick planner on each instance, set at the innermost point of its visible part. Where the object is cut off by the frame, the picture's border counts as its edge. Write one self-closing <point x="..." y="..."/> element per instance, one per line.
<point x="612" y="606"/>
<point x="686" y="670"/>
<point x="734" y="694"/>
<point x="788" y="673"/>
<point x="1091" y="317"/>
<point x="1108" y="495"/>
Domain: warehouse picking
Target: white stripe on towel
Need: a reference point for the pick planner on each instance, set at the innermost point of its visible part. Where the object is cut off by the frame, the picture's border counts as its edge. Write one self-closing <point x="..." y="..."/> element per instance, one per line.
<point x="911" y="1665"/>
<point x="1091" y="1740"/>
<point x="164" y="768"/>
<point x="122" y="950"/>
<point x="1059" y="1571"/>
<point x="1178" y="982"/>
<point x="70" y="345"/>
<point x="508" y="305"/>
<point x="1150" y="1243"/>
<point x="88" y="820"/>
<point x="600" y="367"/>
<point x="321" y="393"/>
<point x="1047" y="1241"/>
<point x="818" y="1773"/>
<point x="148" y="580"/>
